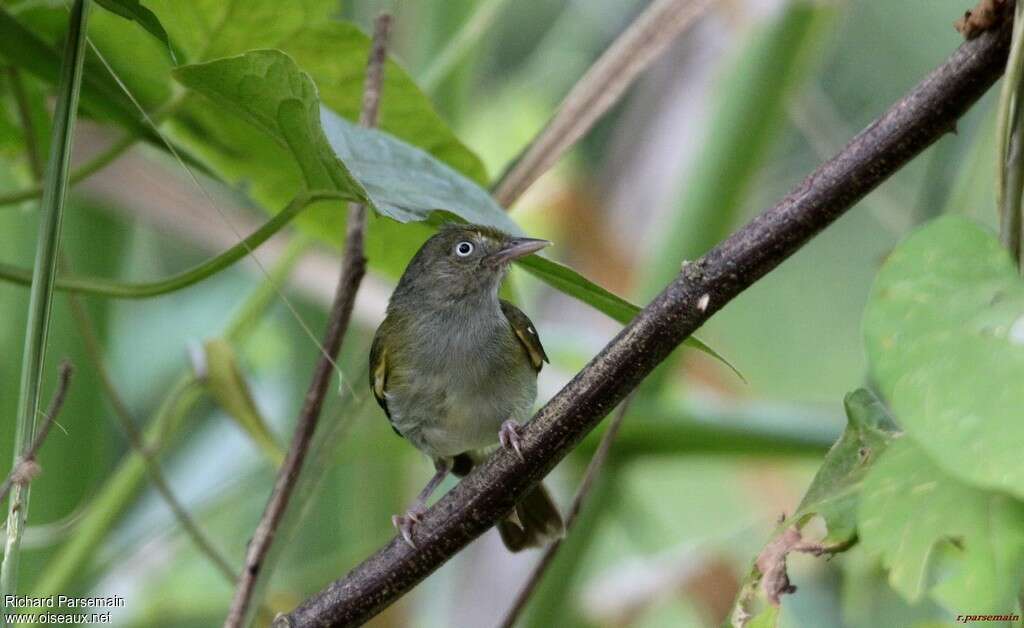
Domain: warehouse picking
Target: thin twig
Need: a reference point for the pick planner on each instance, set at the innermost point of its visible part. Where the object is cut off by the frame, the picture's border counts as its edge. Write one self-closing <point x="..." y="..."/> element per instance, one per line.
<point x="702" y="288"/>
<point x="352" y="270"/>
<point x="600" y="88"/>
<point x="26" y="467"/>
<point x="593" y="468"/>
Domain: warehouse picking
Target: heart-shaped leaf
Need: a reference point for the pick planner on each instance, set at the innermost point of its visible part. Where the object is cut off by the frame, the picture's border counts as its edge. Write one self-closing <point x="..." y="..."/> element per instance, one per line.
<point x="910" y="508"/>
<point x="944" y="329"/>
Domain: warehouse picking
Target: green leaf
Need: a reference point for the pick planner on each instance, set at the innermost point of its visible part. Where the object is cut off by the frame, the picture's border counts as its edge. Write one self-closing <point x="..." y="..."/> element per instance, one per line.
<point x="269" y="91"/>
<point x="405" y="111"/>
<point x="334" y="54"/>
<point x="226" y="384"/>
<point x="100" y="95"/>
<point x="944" y="329"/>
<point x="567" y="280"/>
<point x="266" y="89"/>
<point x="835" y="490"/>
<point x="910" y="508"/>
<point x="134" y="11"/>
<point x="406" y="183"/>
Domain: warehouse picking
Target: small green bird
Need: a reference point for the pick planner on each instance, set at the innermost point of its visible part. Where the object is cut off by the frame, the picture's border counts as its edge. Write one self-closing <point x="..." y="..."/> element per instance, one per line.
<point x="455" y="368"/>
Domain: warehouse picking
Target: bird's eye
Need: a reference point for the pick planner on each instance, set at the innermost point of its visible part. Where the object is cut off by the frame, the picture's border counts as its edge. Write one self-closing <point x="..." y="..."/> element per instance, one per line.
<point x="464" y="248"/>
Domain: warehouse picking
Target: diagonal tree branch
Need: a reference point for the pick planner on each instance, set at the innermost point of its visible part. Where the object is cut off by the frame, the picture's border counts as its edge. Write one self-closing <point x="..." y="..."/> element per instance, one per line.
<point x="353" y="267"/>
<point x="589" y="476"/>
<point x="703" y="287"/>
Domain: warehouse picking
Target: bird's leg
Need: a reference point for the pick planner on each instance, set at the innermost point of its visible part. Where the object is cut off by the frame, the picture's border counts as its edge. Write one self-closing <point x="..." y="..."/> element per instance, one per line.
<point x="405" y="523"/>
<point x="510" y="435"/>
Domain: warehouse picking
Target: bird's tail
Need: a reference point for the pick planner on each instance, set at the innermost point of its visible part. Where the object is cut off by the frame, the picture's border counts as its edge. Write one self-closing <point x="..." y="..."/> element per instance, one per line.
<point x="535" y="522"/>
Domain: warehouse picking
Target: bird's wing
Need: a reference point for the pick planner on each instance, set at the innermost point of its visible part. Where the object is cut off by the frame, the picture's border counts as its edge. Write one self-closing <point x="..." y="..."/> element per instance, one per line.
<point x="526" y="333"/>
<point x="379" y="376"/>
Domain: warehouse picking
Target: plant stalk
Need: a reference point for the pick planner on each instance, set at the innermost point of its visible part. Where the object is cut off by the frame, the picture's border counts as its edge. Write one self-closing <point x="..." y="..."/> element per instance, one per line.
<point x="40" y="296"/>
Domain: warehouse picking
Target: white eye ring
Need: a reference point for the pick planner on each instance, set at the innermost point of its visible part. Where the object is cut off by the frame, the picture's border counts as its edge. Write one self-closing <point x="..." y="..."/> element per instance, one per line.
<point x="464" y="248"/>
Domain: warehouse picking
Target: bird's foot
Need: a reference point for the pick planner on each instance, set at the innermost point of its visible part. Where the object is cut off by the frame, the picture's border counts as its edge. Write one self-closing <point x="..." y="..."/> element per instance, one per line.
<point x="404" y="524"/>
<point x="511" y="437"/>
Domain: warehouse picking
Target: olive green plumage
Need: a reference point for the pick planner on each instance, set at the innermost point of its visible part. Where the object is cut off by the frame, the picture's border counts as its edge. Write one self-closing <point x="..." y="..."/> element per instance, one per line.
<point x="452" y="363"/>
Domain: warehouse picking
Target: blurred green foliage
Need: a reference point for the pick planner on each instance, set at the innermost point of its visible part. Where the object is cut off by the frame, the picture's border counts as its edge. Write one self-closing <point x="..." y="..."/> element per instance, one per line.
<point x="260" y="99"/>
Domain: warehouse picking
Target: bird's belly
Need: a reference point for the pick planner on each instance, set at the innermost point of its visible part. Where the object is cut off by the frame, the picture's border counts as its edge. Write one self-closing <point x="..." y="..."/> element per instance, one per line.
<point x="445" y="416"/>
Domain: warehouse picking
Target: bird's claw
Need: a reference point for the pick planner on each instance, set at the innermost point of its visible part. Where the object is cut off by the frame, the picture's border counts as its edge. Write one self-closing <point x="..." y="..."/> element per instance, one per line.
<point x="404" y="524"/>
<point x="511" y="437"/>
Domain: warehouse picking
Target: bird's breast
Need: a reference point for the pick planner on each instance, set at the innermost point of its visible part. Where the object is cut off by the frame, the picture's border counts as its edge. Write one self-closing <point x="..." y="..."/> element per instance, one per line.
<point x="451" y="392"/>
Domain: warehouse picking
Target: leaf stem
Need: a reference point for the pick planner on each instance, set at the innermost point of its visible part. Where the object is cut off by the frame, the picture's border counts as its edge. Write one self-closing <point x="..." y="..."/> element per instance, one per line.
<point x="40" y="296"/>
<point x="109" y="288"/>
<point x="593" y="469"/>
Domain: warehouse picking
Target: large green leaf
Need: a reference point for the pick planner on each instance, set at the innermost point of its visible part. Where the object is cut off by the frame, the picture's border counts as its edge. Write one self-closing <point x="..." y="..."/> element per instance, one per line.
<point x="944" y="329"/>
<point x="332" y="52"/>
<point x="406" y="183"/>
<point x="914" y="514"/>
<point x="266" y="89"/>
<point x="405" y="111"/>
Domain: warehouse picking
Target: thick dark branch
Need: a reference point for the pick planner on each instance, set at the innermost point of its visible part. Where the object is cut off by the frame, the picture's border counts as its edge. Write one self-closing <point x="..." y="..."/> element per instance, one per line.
<point x="589" y="476"/>
<point x="27" y="468"/>
<point x="703" y="287"/>
<point x="353" y="267"/>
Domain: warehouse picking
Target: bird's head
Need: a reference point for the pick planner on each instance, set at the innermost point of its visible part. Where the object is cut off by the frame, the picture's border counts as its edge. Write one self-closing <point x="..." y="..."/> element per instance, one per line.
<point x="461" y="261"/>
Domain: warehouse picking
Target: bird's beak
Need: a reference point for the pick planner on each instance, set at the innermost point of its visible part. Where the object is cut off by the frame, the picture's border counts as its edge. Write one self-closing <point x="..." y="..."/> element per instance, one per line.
<point x="517" y="248"/>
